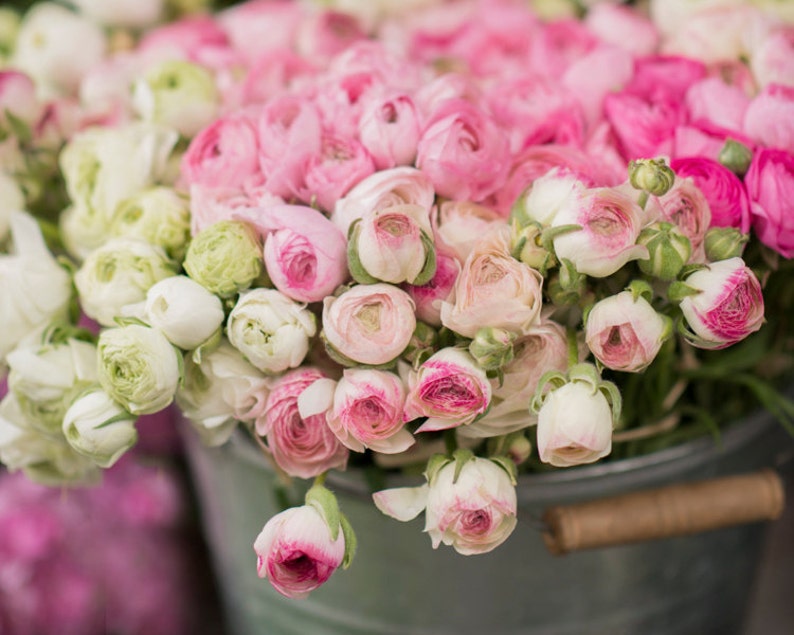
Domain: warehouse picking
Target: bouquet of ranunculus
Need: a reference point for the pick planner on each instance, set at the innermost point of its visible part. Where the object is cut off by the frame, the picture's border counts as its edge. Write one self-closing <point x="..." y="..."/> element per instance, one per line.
<point x="462" y="238"/>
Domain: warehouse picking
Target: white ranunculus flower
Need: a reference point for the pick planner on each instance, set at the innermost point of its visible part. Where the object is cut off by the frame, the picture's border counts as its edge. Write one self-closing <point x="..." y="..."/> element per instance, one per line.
<point x="183" y="310"/>
<point x="270" y="330"/>
<point x="34" y="289"/>
<point x="118" y="274"/>
<point x="139" y="368"/>
<point x="177" y="94"/>
<point x="57" y="46"/>
<point x="98" y="427"/>
<point x="122" y="13"/>
<point x="46" y="379"/>
<point x="11" y="199"/>
<point x="219" y="391"/>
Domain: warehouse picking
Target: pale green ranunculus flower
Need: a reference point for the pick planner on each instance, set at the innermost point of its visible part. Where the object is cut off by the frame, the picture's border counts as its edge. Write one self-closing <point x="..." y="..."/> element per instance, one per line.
<point x="99" y="428"/>
<point x="225" y="258"/>
<point x="177" y="94"/>
<point x="118" y="274"/>
<point x="139" y="368"/>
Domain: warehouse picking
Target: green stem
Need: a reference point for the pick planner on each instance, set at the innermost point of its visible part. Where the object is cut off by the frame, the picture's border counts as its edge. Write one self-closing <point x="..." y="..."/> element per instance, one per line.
<point x="450" y="441"/>
<point x="643" y="199"/>
<point x="573" y="348"/>
<point x="319" y="480"/>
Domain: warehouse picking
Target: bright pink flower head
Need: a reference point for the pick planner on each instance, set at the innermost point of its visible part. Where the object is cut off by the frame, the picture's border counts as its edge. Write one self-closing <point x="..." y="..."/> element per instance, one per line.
<point x="770" y="186"/>
<point x="665" y="76"/>
<point x="769" y="119"/>
<point x="296" y="553"/>
<point x="724" y="191"/>
<point x="644" y="128"/>
<point x="728" y="308"/>
<point x="429" y="297"/>
<point x="301" y="446"/>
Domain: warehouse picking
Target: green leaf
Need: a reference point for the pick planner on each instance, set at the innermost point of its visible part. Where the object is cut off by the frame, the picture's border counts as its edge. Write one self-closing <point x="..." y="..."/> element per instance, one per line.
<point x="324" y="501"/>
<point x="351" y="542"/>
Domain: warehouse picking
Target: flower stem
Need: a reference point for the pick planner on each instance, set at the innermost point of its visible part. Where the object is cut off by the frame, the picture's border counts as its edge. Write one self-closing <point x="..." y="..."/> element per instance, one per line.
<point x="450" y="441"/>
<point x="573" y="348"/>
<point x="643" y="199"/>
<point x="319" y="480"/>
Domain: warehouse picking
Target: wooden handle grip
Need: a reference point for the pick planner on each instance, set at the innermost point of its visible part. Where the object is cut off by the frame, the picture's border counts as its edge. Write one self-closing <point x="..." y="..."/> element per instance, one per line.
<point x="676" y="510"/>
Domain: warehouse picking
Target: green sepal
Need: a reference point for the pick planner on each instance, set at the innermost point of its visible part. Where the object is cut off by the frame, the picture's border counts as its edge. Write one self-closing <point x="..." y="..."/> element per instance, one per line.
<point x="122" y="416"/>
<point x="434" y="465"/>
<point x="678" y="290"/>
<point x="357" y="270"/>
<point x="640" y="289"/>
<point x="688" y="270"/>
<point x="507" y="464"/>
<point x="19" y="128"/>
<point x="461" y="456"/>
<point x="553" y="377"/>
<point x="130" y="321"/>
<point x="344" y="360"/>
<point x="208" y="345"/>
<point x="585" y="373"/>
<point x="324" y="501"/>
<point x="351" y="542"/>
<point x="550" y="233"/>
<point x="429" y="269"/>
<point x="612" y="393"/>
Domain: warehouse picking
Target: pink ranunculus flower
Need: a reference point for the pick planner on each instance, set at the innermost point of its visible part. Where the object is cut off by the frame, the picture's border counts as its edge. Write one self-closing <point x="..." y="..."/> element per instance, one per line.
<point x="296" y="553"/>
<point x="301" y="446"/>
<point x="18" y="97"/>
<point x="256" y="28"/>
<point x="397" y="186"/>
<point x="473" y="511"/>
<point x="769" y="119"/>
<point x="212" y="204"/>
<point x="543" y="349"/>
<point x="389" y="129"/>
<point x="225" y="153"/>
<point x="450" y="389"/>
<point x="574" y="425"/>
<point x="463" y="151"/>
<point x="668" y="76"/>
<point x="183" y="39"/>
<point x="441" y="288"/>
<point x="772" y="59"/>
<point x="610" y="222"/>
<point x="622" y="26"/>
<point x="305" y="254"/>
<point x="625" y="333"/>
<point x="728" y="307"/>
<point x="770" y="186"/>
<point x="704" y="140"/>
<point x="686" y="206"/>
<point x="459" y="225"/>
<point x="716" y="103"/>
<point x="492" y="277"/>
<point x="394" y="245"/>
<point x="367" y="411"/>
<point x="724" y="191"/>
<point x="644" y="128"/>
<point x="325" y="34"/>
<point x="370" y="323"/>
<point x="340" y="164"/>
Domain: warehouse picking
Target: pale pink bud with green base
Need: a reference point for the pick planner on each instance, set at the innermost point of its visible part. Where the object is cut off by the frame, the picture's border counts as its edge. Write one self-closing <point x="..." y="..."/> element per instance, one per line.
<point x="625" y="332"/>
<point x="724" y="304"/>
<point x="687" y="207"/>
<point x="450" y="389"/>
<point x="668" y="250"/>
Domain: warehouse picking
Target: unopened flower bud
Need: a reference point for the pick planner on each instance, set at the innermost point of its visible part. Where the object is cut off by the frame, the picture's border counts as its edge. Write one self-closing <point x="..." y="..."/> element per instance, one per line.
<point x="668" y="248"/>
<point x="492" y="347"/>
<point x="651" y="175"/>
<point x="736" y="157"/>
<point x="568" y="286"/>
<point x="528" y="249"/>
<point x="518" y="448"/>
<point x="724" y="242"/>
<point x="423" y="344"/>
<point x="9" y="27"/>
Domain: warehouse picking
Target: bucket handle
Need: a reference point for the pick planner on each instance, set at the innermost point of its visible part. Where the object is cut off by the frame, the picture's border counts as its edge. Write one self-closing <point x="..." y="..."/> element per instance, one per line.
<point x="675" y="510"/>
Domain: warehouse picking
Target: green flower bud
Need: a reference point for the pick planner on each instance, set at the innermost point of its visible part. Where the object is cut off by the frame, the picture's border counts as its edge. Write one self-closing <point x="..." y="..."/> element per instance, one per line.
<point x="528" y="248"/>
<point x="9" y="27"/>
<point x="568" y="286"/>
<point x="177" y="94"/>
<point x="668" y="248"/>
<point x="225" y="258"/>
<point x="518" y="448"/>
<point x="159" y="216"/>
<point x="651" y="175"/>
<point x="492" y="347"/>
<point x="724" y="242"/>
<point x="736" y="157"/>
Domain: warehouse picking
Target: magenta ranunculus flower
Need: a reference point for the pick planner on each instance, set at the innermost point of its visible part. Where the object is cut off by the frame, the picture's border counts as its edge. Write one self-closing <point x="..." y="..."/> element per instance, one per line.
<point x="728" y="307"/>
<point x="724" y="191"/>
<point x="625" y="332"/>
<point x="301" y="446"/>
<point x="450" y="389"/>
<point x="770" y="186"/>
<point x="296" y="553"/>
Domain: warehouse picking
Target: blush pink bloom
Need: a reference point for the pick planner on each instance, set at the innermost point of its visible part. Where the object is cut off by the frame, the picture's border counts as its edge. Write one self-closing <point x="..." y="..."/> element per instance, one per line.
<point x="463" y="152"/>
<point x="665" y="76"/>
<point x="211" y="204"/>
<point x="643" y="128"/>
<point x="543" y="349"/>
<point x="225" y="153"/>
<point x="772" y="59"/>
<point x="386" y="188"/>
<point x="770" y="186"/>
<point x="258" y="27"/>
<point x="724" y="191"/>
<point x="305" y="254"/>
<point x="473" y="511"/>
<point x="389" y="130"/>
<point x="704" y="140"/>
<point x="491" y="277"/>
<point x="574" y="425"/>
<point x="450" y="389"/>
<point x="459" y="225"/>
<point x="728" y="307"/>
<point x="713" y="102"/>
<point x="302" y="447"/>
<point x="686" y="206"/>
<point x="610" y="222"/>
<point x="18" y="97"/>
<point x="625" y="333"/>
<point x="769" y="119"/>
<point x="324" y="34"/>
<point x="339" y="165"/>
<point x="623" y="27"/>
<point x="296" y="553"/>
<point x="441" y="288"/>
<point x="183" y="39"/>
<point x="367" y="411"/>
<point x="558" y="44"/>
<point x="370" y="323"/>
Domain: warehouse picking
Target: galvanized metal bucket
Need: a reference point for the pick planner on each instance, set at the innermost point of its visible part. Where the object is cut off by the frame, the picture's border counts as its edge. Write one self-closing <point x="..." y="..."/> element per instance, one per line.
<point x="399" y="585"/>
